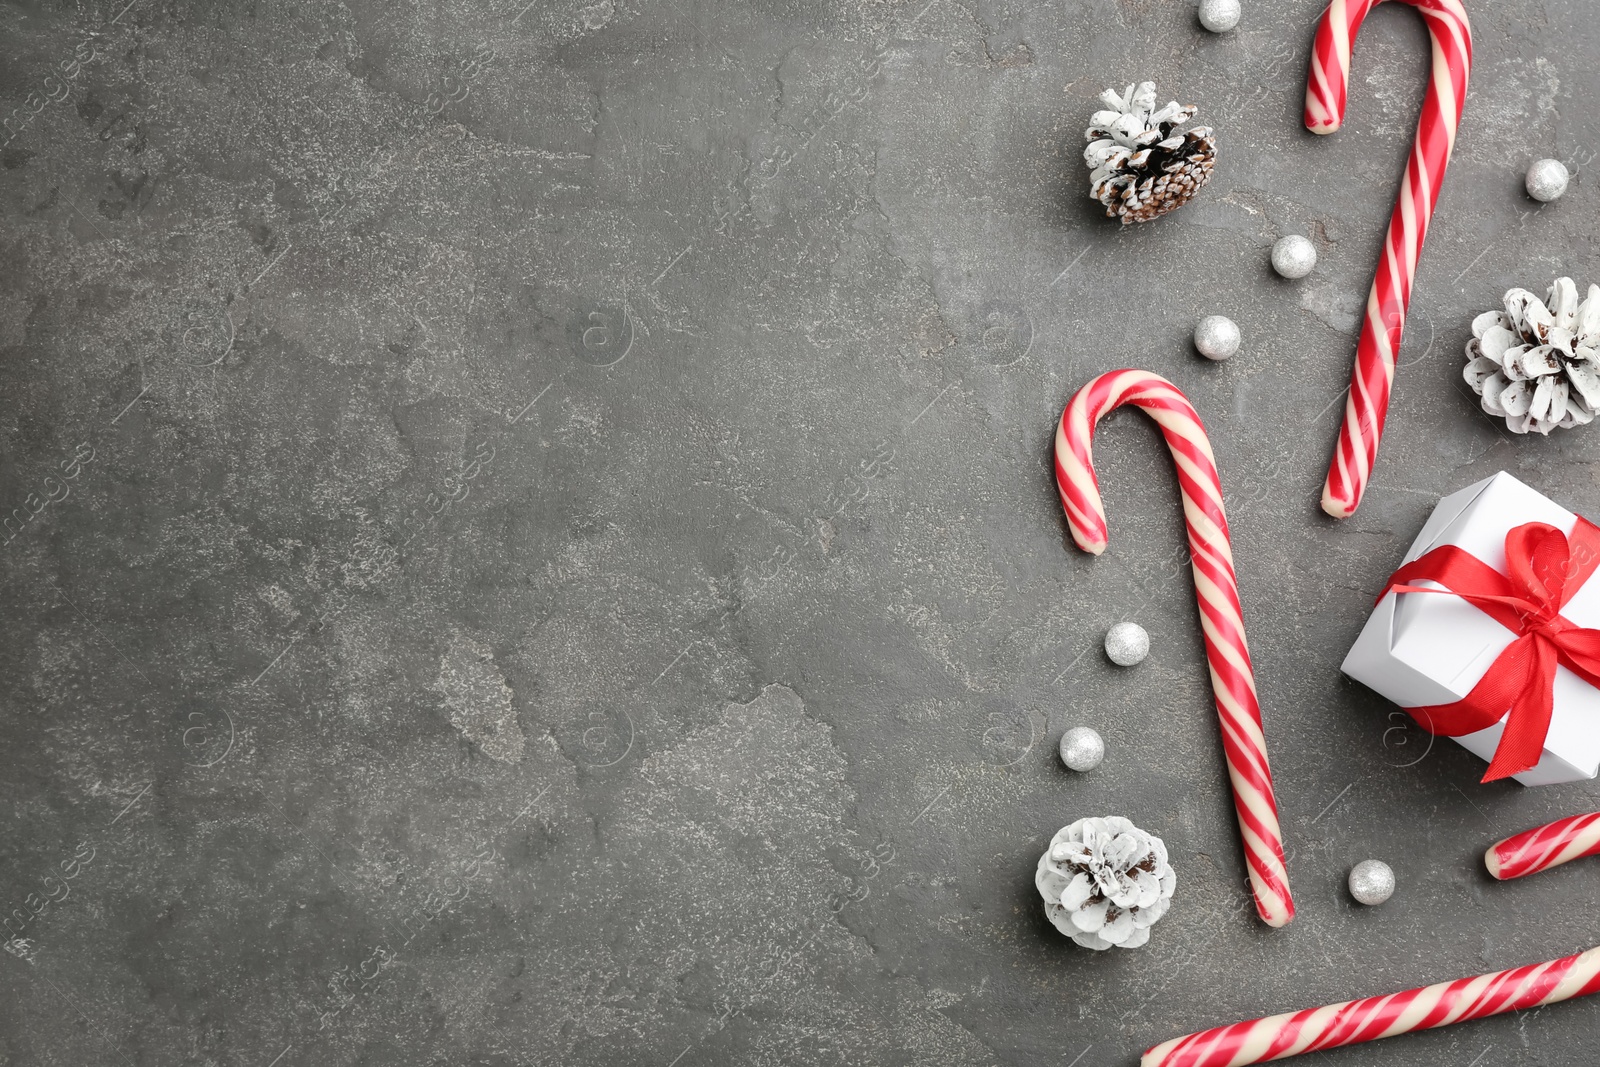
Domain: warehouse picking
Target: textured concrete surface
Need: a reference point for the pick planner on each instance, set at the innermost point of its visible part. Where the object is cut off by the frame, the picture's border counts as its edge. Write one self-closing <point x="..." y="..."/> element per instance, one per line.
<point x="533" y="540"/>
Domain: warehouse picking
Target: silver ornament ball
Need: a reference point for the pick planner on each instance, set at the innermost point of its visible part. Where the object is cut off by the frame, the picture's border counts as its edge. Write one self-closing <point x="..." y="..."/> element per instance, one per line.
<point x="1082" y="749"/>
<point x="1547" y="180"/>
<point x="1217" y="337"/>
<point x="1372" y="882"/>
<point x="1127" y="644"/>
<point x="1219" y="16"/>
<point x="1294" y="256"/>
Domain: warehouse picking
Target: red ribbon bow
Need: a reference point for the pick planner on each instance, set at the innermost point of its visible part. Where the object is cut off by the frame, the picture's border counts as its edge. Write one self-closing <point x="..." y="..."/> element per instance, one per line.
<point x="1545" y="569"/>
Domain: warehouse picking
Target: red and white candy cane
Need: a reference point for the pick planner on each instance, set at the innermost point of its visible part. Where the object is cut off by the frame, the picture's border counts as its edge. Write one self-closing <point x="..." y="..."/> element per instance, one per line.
<point x="1211" y="559"/>
<point x="1385" y="320"/>
<point x="1532" y="986"/>
<point x="1354" y="1021"/>
<point x="1544" y="847"/>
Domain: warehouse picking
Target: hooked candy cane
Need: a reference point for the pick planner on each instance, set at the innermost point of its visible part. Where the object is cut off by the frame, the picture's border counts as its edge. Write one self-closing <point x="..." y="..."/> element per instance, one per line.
<point x="1211" y="559"/>
<point x="1336" y="1025"/>
<point x="1544" y="847"/>
<point x="1385" y="320"/>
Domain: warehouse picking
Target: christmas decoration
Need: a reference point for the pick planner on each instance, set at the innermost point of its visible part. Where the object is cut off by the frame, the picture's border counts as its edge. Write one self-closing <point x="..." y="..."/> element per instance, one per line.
<point x="1219" y="16"/>
<point x="1105" y="882"/>
<point x="1371" y="882"/>
<point x="1547" y="180"/>
<point x="1127" y="644"/>
<point x="1494" y="651"/>
<point x="1217" y="337"/>
<point x="1082" y="749"/>
<point x="1294" y="256"/>
<point x="1536" y="363"/>
<point x="1384" y="323"/>
<point x="1544" y="847"/>
<point x="1354" y="1021"/>
<point x="1336" y="1025"/>
<point x="1211" y="559"/>
<point x="1141" y="165"/>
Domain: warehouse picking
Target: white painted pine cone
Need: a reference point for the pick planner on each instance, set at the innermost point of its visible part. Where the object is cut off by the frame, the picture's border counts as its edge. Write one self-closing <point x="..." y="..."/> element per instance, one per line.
<point x="1105" y="882"/>
<point x="1141" y="164"/>
<point x="1536" y="363"/>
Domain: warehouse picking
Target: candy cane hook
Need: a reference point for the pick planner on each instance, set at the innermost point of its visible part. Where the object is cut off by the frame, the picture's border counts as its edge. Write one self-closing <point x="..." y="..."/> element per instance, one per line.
<point x="1211" y="559"/>
<point x="1385" y="321"/>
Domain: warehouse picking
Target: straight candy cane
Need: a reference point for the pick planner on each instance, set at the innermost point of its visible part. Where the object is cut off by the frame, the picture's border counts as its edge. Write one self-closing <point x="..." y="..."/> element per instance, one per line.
<point x="1232" y="678"/>
<point x="1544" y="847"/>
<point x="1354" y="1021"/>
<point x="1385" y="320"/>
<point x="1532" y="986"/>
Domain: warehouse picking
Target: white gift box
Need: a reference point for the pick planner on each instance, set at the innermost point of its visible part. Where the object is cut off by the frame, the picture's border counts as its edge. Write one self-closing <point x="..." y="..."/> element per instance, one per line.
<point x="1420" y="649"/>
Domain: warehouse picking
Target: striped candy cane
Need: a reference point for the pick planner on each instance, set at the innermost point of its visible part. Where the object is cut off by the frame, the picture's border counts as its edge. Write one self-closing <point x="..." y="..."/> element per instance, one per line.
<point x="1544" y="847"/>
<point x="1279" y="1036"/>
<point x="1354" y="1021"/>
<point x="1385" y="320"/>
<point x="1211" y="559"/>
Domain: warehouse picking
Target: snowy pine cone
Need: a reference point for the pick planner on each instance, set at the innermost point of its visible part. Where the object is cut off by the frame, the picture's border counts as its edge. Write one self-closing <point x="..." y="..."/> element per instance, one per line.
<point x="1537" y="363"/>
<point x="1105" y="882"/>
<point x="1141" y="165"/>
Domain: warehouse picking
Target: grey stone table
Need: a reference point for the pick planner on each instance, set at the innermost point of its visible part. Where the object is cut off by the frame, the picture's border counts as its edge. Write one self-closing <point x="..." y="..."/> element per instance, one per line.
<point x="562" y="565"/>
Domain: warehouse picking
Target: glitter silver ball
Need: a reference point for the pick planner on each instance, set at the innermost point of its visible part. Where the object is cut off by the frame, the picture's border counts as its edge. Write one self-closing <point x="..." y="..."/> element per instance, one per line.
<point x="1372" y="881"/>
<point x="1219" y="16"/>
<point x="1217" y="337"/>
<point x="1082" y="749"/>
<point x="1294" y="256"/>
<point x="1127" y="644"/>
<point x="1547" y="180"/>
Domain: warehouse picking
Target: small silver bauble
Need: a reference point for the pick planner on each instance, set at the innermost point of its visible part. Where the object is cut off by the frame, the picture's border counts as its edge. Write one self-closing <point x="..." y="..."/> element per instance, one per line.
<point x="1217" y="337"/>
<point x="1082" y="749"/>
<point x="1294" y="256"/>
<point x="1372" y="882"/>
<point x="1547" y="180"/>
<point x="1219" y="16"/>
<point x="1127" y="644"/>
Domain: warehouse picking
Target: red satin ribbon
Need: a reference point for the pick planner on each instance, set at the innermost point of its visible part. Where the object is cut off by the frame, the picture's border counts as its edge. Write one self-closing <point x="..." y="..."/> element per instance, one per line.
<point x="1545" y="569"/>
